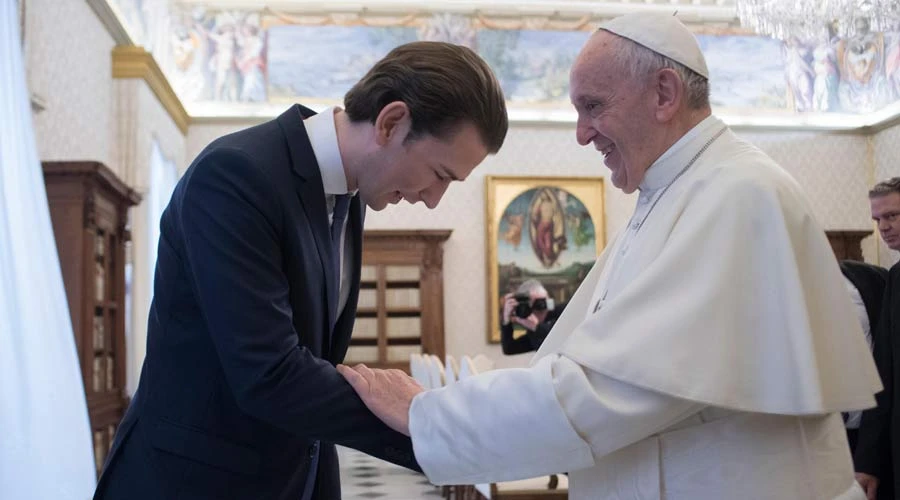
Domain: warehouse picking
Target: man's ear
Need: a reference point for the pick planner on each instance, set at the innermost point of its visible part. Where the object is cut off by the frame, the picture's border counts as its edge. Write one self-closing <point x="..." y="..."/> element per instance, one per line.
<point x="393" y="120"/>
<point x="670" y="93"/>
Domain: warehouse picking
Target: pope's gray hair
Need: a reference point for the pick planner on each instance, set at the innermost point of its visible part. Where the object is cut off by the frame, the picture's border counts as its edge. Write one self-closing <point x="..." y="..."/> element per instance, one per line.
<point x="639" y="62"/>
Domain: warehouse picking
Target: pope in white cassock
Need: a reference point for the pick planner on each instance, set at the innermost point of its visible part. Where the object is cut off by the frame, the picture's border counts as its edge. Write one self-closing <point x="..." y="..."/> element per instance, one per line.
<point x="710" y="349"/>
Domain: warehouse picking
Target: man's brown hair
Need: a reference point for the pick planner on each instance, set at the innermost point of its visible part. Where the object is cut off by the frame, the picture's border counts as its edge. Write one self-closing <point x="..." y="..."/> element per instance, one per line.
<point x="443" y="85"/>
<point x="883" y="188"/>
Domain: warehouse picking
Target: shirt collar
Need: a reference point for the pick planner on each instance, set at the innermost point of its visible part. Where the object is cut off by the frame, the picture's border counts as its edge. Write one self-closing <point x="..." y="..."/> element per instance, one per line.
<point x="322" y="134"/>
<point x="667" y="166"/>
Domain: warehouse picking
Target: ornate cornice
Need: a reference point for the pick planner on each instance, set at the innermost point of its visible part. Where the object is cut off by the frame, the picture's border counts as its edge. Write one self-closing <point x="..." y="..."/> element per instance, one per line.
<point x="691" y="11"/>
<point x="109" y="19"/>
<point x="130" y="61"/>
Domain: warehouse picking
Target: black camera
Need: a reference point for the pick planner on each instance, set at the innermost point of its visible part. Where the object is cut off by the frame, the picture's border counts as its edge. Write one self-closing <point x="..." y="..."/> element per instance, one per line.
<point x="524" y="307"/>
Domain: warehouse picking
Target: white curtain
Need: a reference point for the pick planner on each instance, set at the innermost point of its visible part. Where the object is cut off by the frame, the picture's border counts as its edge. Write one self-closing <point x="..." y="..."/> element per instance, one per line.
<point x="45" y="437"/>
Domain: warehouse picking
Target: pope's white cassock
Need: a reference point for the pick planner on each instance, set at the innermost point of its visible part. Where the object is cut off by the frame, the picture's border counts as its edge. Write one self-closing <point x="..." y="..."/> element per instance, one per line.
<point x="705" y="356"/>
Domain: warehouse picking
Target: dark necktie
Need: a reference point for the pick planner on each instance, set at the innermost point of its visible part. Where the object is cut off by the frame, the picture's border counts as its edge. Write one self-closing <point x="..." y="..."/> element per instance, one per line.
<point x="341" y="208"/>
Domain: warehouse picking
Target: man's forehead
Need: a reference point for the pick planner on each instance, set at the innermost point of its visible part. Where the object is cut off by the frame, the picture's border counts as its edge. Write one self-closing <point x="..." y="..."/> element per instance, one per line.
<point x="596" y="61"/>
<point x="597" y="48"/>
<point x="888" y="201"/>
<point x="590" y="85"/>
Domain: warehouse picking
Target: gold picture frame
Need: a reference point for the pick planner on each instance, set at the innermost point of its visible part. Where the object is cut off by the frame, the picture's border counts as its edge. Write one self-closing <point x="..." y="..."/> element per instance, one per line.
<point x="548" y="228"/>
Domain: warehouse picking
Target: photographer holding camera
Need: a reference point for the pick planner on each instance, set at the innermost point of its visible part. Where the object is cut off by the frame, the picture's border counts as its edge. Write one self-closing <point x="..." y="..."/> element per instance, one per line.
<point x="530" y="307"/>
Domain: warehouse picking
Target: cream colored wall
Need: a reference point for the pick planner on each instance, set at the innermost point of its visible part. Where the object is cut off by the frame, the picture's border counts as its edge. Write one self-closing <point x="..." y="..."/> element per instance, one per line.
<point x="834" y="169"/>
<point x="91" y="116"/>
<point x="199" y="135"/>
<point x="67" y="63"/>
<point x="886" y="156"/>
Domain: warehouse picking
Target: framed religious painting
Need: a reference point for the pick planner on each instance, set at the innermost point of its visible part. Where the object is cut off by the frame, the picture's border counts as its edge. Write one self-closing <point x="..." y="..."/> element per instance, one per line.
<point x="546" y="228"/>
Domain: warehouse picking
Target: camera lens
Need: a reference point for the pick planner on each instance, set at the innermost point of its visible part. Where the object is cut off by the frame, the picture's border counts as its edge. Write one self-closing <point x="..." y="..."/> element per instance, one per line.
<point x="523" y="306"/>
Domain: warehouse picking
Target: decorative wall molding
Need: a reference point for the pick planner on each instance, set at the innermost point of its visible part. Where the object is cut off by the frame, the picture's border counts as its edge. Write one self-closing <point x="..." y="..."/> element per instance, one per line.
<point x="125" y="116"/>
<point x="111" y="21"/>
<point x="699" y="11"/>
<point x="869" y="123"/>
<point x="135" y="62"/>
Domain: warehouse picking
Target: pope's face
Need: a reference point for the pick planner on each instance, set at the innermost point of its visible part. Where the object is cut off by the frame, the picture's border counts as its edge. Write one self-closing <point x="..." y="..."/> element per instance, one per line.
<point x="615" y="113"/>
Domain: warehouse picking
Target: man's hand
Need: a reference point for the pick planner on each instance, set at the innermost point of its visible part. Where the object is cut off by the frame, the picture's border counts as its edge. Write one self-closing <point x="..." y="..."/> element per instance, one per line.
<point x="869" y="483"/>
<point x="530" y="323"/>
<point x="509" y="304"/>
<point x="388" y="393"/>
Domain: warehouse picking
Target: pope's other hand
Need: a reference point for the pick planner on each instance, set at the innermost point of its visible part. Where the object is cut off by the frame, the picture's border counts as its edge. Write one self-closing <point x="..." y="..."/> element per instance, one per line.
<point x="387" y="393"/>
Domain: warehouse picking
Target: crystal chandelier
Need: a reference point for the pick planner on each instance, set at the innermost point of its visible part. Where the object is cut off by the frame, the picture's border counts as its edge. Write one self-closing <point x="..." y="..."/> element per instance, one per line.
<point x="818" y="19"/>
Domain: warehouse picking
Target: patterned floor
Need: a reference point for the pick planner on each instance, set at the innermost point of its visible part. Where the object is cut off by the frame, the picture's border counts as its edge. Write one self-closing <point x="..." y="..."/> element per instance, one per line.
<point x="365" y="478"/>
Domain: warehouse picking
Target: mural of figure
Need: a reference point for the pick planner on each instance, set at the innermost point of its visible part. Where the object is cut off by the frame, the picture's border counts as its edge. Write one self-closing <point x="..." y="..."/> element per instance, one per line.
<point x="224" y="61"/>
<point x="800" y="75"/>
<point x="513" y="234"/>
<point x="190" y="51"/>
<point x="548" y="229"/>
<point x="451" y="28"/>
<point x="863" y="86"/>
<point x="892" y="62"/>
<point x="251" y="64"/>
<point x="826" y="78"/>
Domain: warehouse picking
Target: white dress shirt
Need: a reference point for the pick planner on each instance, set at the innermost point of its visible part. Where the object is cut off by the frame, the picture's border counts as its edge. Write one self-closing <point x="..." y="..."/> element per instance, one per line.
<point x="323" y="137"/>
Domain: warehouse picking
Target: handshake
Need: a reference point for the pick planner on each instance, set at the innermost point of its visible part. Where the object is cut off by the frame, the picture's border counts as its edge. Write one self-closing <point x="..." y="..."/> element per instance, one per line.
<point x="387" y="393"/>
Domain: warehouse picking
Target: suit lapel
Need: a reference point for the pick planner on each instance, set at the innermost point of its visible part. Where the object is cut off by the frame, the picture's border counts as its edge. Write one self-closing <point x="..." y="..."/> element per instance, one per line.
<point x="308" y="185"/>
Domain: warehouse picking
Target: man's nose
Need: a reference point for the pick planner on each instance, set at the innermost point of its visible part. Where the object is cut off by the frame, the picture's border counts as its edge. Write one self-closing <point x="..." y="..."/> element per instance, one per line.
<point x="584" y="132"/>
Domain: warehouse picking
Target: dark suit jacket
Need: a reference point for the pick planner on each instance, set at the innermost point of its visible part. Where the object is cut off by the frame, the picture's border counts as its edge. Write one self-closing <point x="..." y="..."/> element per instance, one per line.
<point x="239" y="386"/>
<point x="869" y="280"/>
<point x="878" y="445"/>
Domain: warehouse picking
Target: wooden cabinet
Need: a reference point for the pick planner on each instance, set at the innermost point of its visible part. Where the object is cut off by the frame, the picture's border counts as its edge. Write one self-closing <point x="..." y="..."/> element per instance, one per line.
<point x="401" y="298"/>
<point x="89" y="209"/>
<point x="847" y="244"/>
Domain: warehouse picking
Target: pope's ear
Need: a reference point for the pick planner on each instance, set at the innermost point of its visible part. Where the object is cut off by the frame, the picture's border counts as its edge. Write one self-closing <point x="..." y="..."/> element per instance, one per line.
<point x="670" y="93"/>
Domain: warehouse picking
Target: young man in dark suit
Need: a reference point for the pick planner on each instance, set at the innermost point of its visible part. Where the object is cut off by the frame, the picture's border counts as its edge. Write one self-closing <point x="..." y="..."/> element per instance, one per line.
<point x="258" y="276"/>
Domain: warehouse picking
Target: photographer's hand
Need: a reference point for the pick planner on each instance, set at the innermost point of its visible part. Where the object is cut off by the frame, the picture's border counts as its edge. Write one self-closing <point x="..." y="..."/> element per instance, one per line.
<point x="509" y="306"/>
<point x="530" y="323"/>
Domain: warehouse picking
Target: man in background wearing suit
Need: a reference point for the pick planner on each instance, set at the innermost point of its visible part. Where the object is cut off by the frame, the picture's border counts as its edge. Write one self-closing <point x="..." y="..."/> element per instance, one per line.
<point x="865" y="284"/>
<point x="257" y="281"/>
<point x="877" y="453"/>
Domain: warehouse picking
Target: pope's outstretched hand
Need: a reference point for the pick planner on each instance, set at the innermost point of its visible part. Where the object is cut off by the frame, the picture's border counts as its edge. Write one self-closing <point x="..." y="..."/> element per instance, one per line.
<point x="388" y="393"/>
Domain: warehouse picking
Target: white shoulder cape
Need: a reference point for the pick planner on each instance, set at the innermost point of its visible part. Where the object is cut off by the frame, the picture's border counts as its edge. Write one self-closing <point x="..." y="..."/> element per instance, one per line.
<point x="735" y="300"/>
